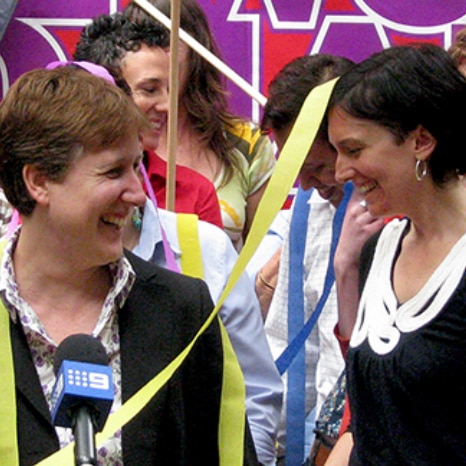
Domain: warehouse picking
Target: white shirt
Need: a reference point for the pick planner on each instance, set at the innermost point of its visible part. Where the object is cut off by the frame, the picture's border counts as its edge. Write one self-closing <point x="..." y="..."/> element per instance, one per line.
<point x="240" y="314"/>
<point x="324" y="361"/>
<point x="270" y="243"/>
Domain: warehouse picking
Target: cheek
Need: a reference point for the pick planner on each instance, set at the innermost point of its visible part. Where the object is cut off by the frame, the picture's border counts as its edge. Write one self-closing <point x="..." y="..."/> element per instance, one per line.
<point x="306" y="178"/>
<point x="327" y="177"/>
<point x="142" y="103"/>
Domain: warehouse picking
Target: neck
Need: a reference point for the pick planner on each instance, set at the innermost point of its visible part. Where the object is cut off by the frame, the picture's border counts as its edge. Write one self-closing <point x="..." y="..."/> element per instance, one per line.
<point x="53" y="273"/>
<point x="184" y="131"/>
<point x="443" y="214"/>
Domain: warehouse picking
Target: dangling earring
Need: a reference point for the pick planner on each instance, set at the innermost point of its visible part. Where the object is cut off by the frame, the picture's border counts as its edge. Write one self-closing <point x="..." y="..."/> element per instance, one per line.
<point x="137" y="218"/>
<point x="420" y="170"/>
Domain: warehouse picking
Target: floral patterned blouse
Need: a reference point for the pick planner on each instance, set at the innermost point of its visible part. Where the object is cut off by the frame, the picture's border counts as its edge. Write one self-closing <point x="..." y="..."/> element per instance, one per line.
<point x="43" y="348"/>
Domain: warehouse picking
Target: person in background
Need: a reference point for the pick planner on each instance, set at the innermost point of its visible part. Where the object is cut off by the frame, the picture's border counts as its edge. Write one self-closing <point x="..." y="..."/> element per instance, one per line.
<point x="240" y="311"/>
<point x="457" y="50"/>
<point x="6" y="214"/>
<point x="140" y="66"/>
<point x="324" y="363"/>
<point x="405" y="352"/>
<point x="230" y="151"/>
<point x="70" y="152"/>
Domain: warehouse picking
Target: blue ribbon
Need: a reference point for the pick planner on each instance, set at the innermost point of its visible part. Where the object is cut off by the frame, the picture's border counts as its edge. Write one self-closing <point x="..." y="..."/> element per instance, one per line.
<point x="295" y="402"/>
<point x="293" y="357"/>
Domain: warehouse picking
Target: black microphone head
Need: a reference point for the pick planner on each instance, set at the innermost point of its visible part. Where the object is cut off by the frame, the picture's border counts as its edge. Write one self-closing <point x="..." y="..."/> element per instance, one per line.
<point x="83" y="379"/>
<point x="81" y="348"/>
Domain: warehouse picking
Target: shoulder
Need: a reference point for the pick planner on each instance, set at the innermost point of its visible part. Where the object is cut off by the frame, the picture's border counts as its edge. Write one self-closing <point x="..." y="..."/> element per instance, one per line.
<point x="218" y="251"/>
<point x="212" y="232"/>
<point x="249" y="140"/>
<point x="166" y="305"/>
<point x="159" y="282"/>
<point x="208" y="233"/>
<point x="187" y="178"/>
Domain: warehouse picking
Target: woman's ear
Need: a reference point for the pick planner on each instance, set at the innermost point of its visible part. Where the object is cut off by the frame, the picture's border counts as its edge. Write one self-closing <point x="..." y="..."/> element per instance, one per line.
<point x="36" y="184"/>
<point x="425" y="143"/>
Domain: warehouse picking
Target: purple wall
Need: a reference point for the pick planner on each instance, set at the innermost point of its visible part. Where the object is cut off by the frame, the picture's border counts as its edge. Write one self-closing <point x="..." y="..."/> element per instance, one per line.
<point x="257" y="37"/>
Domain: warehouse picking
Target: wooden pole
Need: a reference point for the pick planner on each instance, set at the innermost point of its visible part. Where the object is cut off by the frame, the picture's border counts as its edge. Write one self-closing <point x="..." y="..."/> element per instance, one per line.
<point x="173" y="105"/>
<point x="205" y="53"/>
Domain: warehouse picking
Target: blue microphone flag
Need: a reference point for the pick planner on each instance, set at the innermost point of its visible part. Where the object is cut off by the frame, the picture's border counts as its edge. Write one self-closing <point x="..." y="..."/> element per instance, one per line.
<point x="80" y="383"/>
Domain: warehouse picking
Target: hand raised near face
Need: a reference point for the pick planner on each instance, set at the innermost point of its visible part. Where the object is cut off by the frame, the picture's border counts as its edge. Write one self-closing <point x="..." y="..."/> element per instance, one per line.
<point x="358" y="226"/>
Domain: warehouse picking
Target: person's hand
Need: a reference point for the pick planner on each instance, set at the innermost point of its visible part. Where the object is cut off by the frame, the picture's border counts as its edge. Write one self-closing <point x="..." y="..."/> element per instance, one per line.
<point x="358" y="226"/>
<point x="266" y="281"/>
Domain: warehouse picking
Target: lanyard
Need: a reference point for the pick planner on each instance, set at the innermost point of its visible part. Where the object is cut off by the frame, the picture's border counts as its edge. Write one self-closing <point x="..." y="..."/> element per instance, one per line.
<point x="169" y="256"/>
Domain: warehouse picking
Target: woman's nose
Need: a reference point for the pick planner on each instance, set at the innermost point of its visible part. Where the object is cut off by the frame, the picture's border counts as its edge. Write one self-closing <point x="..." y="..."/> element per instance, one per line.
<point x="161" y="104"/>
<point x="343" y="171"/>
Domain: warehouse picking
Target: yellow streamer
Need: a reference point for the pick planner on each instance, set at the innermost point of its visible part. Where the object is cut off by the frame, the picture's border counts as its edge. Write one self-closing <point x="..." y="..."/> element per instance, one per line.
<point x="285" y="174"/>
<point x="8" y="441"/>
<point x="286" y="171"/>
<point x="188" y="239"/>
<point x="232" y="405"/>
<point x="232" y="408"/>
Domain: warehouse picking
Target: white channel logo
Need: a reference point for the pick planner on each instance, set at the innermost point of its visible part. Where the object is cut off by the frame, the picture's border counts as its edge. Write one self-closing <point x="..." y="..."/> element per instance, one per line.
<point x="86" y="379"/>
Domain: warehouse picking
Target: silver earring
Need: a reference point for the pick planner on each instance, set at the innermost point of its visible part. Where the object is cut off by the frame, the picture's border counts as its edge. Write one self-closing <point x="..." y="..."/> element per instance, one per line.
<point x="420" y="170"/>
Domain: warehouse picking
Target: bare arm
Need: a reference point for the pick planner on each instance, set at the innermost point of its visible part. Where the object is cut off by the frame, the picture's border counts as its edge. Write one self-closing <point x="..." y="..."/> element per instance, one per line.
<point x="339" y="456"/>
<point x="266" y="281"/>
<point x="251" y="207"/>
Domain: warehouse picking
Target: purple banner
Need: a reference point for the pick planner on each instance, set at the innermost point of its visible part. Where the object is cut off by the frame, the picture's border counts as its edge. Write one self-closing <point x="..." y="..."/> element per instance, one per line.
<point x="256" y="37"/>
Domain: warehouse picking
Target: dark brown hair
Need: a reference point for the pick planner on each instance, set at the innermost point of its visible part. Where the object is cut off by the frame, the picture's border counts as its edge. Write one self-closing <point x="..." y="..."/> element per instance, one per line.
<point x="205" y="96"/>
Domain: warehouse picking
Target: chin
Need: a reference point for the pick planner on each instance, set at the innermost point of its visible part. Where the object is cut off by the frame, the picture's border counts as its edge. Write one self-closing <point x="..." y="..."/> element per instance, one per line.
<point x="112" y="254"/>
<point x="151" y="142"/>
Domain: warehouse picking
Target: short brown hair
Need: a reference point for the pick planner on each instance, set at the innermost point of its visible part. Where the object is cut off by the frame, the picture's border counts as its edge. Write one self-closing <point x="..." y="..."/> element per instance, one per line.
<point x="49" y="117"/>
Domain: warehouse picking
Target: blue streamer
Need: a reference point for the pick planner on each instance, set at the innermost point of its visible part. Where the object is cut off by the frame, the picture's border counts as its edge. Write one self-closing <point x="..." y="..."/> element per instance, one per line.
<point x="293" y="357"/>
<point x="295" y="401"/>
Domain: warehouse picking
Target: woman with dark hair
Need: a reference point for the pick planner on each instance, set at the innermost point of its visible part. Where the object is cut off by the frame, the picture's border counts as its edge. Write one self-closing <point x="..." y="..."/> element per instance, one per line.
<point x="229" y="151"/>
<point x="287" y="93"/>
<point x="393" y="121"/>
<point x="136" y="56"/>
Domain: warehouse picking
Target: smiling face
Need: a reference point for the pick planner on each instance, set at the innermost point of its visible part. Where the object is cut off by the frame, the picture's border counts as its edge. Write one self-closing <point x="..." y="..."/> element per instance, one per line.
<point x="318" y="169"/>
<point x="89" y="208"/>
<point x="147" y="71"/>
<point x="380" y="167"/>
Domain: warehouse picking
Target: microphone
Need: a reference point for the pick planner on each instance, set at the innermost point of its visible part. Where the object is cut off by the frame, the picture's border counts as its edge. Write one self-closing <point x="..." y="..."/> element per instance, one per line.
<point x="83" y="392"/>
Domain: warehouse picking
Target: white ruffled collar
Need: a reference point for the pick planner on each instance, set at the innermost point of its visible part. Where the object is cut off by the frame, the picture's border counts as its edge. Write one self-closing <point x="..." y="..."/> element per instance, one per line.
<point x="381" y="319"/>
